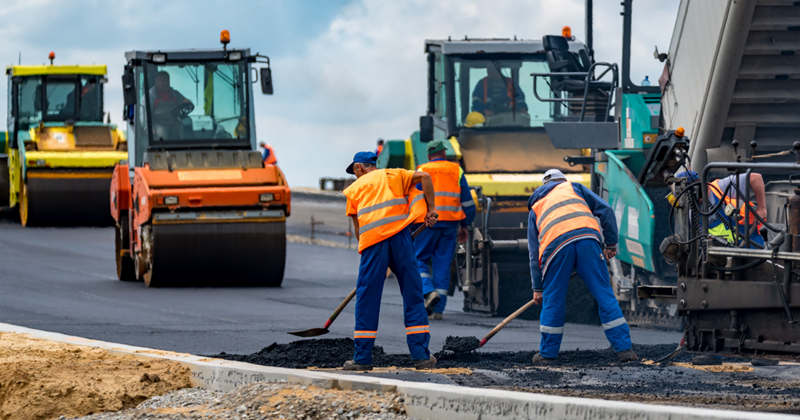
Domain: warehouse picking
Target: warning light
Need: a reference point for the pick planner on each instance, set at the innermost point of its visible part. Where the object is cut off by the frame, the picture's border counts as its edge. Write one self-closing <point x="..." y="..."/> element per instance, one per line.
<point x="51" y="56"/>
<point x="566" y="32"/>
<point x="224" y="37"/>
<point x="679" y="132"/>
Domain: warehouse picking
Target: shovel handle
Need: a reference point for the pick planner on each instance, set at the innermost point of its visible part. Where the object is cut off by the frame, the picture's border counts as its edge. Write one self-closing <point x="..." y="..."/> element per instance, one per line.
<point x="339" y="309"/>
<point x="418" y="231"/>
<point x="505" y="322"/>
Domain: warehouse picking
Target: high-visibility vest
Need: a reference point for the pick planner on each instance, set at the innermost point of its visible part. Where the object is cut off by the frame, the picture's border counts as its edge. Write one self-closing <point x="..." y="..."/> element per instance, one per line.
<point x="559" y="212"/>
<point x="271" y="159"/>
<point x="381" y="213"/>
<point x="718" y="192"/>
<point x="446" y="178"/>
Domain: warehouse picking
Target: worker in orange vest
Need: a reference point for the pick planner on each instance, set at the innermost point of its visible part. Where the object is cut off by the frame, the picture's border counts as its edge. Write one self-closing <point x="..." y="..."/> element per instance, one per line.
<point x="436" y="246"/>
<point x="563" y="236"/>
<point x="379" y="149"/>
<point x="268" y="155"/>
<point x="382" y="203"/>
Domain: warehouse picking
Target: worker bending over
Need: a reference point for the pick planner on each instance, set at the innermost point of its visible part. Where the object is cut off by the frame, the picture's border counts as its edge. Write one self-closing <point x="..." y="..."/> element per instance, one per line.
<point x="268" y="155"/>
<point x="563" y="235"/>
<point x="437" y="245"/>
<point x="382" y="203"/>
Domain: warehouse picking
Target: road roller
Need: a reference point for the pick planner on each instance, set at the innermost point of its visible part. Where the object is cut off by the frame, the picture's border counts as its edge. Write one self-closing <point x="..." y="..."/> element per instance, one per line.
<point x="194" y="204"/>
<point x="59" y="152"/>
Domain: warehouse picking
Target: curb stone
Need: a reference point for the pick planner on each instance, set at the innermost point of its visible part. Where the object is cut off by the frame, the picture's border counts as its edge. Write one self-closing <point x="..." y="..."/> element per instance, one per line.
<point x="422" y="400"/>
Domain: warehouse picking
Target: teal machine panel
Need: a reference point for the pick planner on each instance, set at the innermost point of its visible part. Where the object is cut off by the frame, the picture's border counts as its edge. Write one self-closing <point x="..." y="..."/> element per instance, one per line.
<point x="632" y="207"/>
<point x="639" y="127"/>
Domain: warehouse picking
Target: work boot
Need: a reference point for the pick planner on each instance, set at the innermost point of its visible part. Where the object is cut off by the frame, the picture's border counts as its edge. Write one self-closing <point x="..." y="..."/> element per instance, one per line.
<point x="425" y="364"/>
<point x="706" y="360"/>
<point x="431" y="299"/>
<point x="538" y="359"/>
<point x="763" y="362"/>
<point x="352" y="365"/>
<point x="626" y="356"/>
<point x="436" y="316"/>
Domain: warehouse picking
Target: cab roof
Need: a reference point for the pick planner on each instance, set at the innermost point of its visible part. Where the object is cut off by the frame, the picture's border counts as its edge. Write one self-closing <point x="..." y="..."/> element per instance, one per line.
<point x="187" y="55"/>
<point x="94" y="69"/>
<point x="491" y="45"/>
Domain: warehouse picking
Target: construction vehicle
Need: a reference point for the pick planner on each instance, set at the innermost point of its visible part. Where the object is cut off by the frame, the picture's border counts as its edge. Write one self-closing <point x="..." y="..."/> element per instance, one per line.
<point x="59" y="152"/>
<point x="504" y="151"/>
<point x="195" y="204"/>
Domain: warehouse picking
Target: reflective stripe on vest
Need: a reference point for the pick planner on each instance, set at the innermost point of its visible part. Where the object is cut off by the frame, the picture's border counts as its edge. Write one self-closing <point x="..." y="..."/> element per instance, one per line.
<point x="559" y="212"/>
<point x="718" y="193"/>
<point x="381" y="213"/>
<point x="446" y="178"/>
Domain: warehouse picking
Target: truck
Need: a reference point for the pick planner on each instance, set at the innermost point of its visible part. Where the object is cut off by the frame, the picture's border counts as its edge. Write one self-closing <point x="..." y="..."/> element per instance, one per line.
<point x="59" y="148"/>
<point x="195" y="204"/>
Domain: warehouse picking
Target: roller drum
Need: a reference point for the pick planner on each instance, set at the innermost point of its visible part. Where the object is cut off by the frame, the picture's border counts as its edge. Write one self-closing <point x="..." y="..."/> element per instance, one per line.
<point x="217" y="254"/>
<point x="75" y="201"/>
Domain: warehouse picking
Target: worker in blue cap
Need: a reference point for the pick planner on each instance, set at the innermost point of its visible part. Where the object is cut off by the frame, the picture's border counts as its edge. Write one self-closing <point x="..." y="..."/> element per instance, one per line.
<point x="436" y="246"/>
<point x="383" y="203"/>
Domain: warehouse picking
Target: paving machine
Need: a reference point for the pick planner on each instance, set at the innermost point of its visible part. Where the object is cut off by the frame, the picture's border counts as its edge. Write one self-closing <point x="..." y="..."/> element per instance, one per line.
<point x="481" y="102"/>
<point x="59" y="152"/>
<point x="195" y="204"/>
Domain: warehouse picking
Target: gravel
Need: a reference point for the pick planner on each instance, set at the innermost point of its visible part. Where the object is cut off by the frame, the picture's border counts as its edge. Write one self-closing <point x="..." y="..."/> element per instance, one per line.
<point x="266" y="400"/>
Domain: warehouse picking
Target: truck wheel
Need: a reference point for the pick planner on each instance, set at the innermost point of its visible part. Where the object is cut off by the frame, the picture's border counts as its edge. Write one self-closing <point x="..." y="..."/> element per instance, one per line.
<point x="125" y="268"/>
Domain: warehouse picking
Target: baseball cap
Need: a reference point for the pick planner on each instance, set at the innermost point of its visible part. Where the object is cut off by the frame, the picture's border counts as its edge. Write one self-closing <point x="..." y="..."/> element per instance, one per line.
<point x="552" y="175"/>
<point x="362" y="157"/>
<point x="436" y="146"/>
<point x="692" y="175"/>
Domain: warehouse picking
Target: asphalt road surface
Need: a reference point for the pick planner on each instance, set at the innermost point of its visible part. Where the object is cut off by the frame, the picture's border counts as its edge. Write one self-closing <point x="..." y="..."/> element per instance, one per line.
<point x="64" y="280"/>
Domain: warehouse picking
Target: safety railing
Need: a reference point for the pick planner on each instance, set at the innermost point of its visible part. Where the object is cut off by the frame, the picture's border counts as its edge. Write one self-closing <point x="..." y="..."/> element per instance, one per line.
<point x="591" y="83"/>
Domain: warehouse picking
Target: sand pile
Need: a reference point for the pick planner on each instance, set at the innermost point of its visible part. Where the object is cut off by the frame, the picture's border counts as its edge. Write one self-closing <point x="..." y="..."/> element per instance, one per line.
<point x="43" y="380"/>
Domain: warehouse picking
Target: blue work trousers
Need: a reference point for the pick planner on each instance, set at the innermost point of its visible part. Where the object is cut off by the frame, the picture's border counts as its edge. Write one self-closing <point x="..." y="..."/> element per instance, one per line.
<point x="397" y="253"/>
<point x="587" y="257"/>
<point x="436" y="247"/>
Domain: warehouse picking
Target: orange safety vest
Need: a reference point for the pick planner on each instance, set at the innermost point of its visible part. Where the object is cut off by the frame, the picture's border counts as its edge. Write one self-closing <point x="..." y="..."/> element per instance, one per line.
<point x="446" y="178"/>
<point x="271" y="159"/>
<point x="717" y="191"/>
<point x="381" y="213"/>
<point x="559" y="212"/>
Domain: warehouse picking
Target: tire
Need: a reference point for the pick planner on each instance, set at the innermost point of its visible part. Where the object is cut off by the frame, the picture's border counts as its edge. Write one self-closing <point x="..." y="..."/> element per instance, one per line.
<point x="125" y="267"/>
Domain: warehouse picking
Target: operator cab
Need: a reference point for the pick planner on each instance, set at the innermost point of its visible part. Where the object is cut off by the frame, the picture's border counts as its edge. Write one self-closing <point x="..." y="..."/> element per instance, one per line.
<point x="191" y="99"/>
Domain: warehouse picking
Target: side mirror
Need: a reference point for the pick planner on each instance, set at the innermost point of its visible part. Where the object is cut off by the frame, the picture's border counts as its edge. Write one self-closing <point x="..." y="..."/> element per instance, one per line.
<point x="266" y="81"/>
<point x="128" y="88"/>
<point x="426" y="129"/>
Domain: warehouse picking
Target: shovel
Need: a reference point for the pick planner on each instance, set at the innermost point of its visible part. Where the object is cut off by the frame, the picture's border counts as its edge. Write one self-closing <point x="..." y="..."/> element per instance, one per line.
<point x="472" y="343"/>
<point x="316" y="332"/>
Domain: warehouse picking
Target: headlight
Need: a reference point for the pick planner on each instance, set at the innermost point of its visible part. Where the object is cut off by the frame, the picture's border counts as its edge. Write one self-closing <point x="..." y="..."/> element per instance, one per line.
<point x="40" y="162"/>
<point x="267" y="197"/>
<point x="171" y="200"/>
<point x="235" y="55"/>
<point x="159" y="58"/>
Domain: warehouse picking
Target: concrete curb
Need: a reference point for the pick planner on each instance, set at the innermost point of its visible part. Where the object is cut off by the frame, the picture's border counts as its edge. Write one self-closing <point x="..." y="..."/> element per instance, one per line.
<point x="424" y="401"/>
<point x="318" y="195"/>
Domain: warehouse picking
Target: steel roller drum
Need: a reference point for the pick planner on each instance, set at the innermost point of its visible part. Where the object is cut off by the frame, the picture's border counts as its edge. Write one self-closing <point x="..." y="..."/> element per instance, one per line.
<point x="217" y="254"/>
<point x="69" y="201"/>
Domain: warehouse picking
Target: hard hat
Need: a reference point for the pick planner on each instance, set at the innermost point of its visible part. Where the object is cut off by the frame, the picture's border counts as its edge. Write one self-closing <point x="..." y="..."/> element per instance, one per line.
<point x="474" y="118"/>
<point x="553" y="175"/>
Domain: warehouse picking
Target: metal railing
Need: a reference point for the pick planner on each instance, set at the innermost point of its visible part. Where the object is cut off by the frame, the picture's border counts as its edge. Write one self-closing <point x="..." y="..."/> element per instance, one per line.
<point x="589" y="81"/>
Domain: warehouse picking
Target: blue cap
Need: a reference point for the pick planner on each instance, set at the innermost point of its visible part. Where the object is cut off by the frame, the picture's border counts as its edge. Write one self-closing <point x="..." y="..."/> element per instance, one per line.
<point x="692" y="175"/>
<point x="362" y="157"/>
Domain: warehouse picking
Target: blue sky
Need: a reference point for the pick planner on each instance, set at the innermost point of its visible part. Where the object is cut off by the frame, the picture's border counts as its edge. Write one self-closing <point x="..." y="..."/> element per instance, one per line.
<point x="346" y="71"/>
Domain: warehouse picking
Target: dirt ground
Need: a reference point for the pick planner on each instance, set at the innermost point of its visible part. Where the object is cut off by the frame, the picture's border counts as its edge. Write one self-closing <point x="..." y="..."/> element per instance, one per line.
<point x="42" y="379"/>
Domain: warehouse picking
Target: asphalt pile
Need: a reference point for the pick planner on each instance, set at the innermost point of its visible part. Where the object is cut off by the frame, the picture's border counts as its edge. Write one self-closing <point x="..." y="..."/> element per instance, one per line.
<point x="266" y="400"/>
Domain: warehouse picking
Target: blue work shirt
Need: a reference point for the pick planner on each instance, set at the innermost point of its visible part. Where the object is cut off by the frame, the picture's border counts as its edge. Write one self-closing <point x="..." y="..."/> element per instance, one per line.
<point x="599" y="209"/>
<point x="467" y="205"/>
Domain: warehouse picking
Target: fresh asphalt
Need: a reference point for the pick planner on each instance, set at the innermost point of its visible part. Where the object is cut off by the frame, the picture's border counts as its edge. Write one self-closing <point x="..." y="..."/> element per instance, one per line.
<point x="64" y="280"/>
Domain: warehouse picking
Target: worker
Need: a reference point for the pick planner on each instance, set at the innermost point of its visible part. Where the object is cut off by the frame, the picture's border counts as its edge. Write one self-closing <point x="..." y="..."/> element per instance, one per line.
<point x="164" y="104"/>
<point x="728" y="189"/>
<point x="382" y="203"/>
<point x="379" y="149"/>
<point x="496" y="94"/>
<point x="267" y="154"/>
<point x="437" y="245"/>
<point x="563" y="235"/>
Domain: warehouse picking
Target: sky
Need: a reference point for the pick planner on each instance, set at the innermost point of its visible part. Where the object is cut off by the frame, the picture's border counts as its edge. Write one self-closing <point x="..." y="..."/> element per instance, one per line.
<point x="346" y="72"/>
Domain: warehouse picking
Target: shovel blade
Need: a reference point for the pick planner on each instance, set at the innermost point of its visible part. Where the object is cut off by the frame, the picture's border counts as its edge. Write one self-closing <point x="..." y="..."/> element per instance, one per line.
<point x="314" y="332"/>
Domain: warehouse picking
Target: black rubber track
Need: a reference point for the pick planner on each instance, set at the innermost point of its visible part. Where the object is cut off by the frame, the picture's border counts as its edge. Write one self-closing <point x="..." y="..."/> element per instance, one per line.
<point x="218" y="254"/>
<point x="69" y="202"/>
